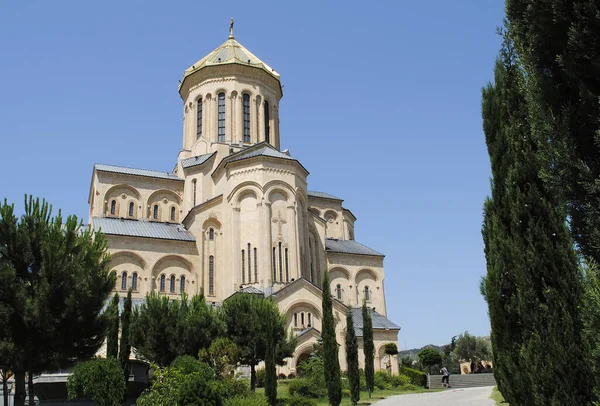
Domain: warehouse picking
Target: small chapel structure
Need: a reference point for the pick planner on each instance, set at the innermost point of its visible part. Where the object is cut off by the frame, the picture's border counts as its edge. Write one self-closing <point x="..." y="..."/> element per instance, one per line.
<point x="236" y="214"/>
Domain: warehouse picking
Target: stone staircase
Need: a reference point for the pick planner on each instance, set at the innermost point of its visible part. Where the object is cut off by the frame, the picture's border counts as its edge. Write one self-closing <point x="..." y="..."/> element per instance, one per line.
<point x="464" y="381"/>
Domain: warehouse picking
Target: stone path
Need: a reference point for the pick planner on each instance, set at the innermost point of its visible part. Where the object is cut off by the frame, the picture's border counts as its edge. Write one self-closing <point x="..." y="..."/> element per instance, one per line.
<point x="450" y="397"/>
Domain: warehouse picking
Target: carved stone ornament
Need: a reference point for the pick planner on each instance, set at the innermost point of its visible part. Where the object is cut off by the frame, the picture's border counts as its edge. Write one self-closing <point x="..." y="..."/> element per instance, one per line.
<point x="165" y="200"/>
<point x="123" y="196"/>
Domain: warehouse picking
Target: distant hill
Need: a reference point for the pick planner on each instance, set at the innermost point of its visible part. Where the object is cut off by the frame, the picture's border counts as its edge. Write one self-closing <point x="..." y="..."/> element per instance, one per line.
<point x="412" y="353"/>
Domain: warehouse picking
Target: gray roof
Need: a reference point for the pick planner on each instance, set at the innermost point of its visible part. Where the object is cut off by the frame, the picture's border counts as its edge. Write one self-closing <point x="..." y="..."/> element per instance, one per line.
<point x="195" y="160"/>
<point x="349" y="247"/>
<point x="263" y="151"/>
<point x="138" y="228"/>
<point x="322" y="195"/>
<point x="379" y="321"/>
<point x="138" y="172"/>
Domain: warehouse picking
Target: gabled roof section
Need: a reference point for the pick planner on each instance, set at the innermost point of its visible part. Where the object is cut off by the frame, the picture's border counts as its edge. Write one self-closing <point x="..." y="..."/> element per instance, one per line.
<point x="380" y="322"/>
<point x="263" y="149"/>
<point x="196" y="160"/>
<point x="322" y="195"/>
<point x="349" y="247"/>
<point x="137" y="172"/>
<point x="138" y="228"/>
<point x="229" y="52"/>
<point x="249" y="290"/>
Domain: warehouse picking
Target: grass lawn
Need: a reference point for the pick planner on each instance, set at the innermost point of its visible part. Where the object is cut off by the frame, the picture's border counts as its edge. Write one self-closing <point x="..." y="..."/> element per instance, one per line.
<point x="283" y="393"/>
<point x="497" y="397"/>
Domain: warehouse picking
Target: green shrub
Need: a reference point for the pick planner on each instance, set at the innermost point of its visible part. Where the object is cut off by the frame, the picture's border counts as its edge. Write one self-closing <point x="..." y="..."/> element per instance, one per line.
<point x="382" y="380"/>
<point x="236" y="387"/>
<point x="100" y="379"/>
<point x="298" y="401"/>
<point x="400" y="380"/>
<point x="306" y="388"/>
<point x="260" y="378"/>
<point x="417" y="378"/>
<point x="250" y="400"/>
<point x="346" y="393"/>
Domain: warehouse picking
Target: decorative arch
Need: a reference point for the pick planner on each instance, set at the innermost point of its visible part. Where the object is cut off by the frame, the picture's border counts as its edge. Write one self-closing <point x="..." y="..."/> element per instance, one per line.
<point x="315" y="211"/>
<point x="303" y="351"/>
<point x="211" y="222"/>
<point x="238" y="191"/>
<point x="168" y="192"/>
<point x="303" y="302"/>
<point x="330" y="216"/>
<point x="279" y="186"/>
<point x="338" y="272"/>
<point x="134" y="192"/>
<point x="365" y="274"/>
<point x="121" y="257"/>
<point x="159" y="264"/>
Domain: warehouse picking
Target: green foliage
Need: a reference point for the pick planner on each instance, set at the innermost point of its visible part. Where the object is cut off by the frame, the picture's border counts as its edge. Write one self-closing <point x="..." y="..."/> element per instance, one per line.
<point x="251" y="400"/>
<point x="100" y="380"/>
<point x="398" y="381"/>
<point x="161" y="329"/>
<point x="532" y="286"/>
<point x="125" y="344"/>
<point x="406" y="362"/>
<point x="53" y="303"/>
<point x="417" y="378"/>
<point x="469" y="348"/>
<point x="300" y="401"/>
<point x="330" y="347"/>
<point x="260" y="378"/>
<point x="186" y="382"/>
<point x="382" y="380"/>
<point x="305" y="387"/>
<point x="391" y="349"/>
<point x="368" y="348"/>
<point x="430" y="357"/>
<point x="112" y="334"/>
<point x="235" y="387"/>
<point x="222" y="356"/>
<point x="590" y="314"/>
<point x="352" y="359"/>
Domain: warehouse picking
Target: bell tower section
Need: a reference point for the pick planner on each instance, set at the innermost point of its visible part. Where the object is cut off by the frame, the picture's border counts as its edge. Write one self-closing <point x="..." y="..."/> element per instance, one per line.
<point x="229" y="97"/>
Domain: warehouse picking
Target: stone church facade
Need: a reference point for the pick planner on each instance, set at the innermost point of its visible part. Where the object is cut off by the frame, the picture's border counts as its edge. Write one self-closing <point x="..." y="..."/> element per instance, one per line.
<point x="236" y="214"/>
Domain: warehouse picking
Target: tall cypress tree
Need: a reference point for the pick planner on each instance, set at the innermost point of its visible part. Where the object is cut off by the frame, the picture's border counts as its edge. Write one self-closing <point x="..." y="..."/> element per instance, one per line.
<point x="112" y="335"/>
<point x="352" y="358"/>
<point x="532" y="285"/>
<point x="330" y="347"/>
<point x="125" y="344"/>
<point x="368" y="348"/>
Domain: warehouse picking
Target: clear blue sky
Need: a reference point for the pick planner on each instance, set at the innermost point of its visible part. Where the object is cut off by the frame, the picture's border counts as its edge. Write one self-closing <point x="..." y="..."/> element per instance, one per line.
<point x="381" y="104"/>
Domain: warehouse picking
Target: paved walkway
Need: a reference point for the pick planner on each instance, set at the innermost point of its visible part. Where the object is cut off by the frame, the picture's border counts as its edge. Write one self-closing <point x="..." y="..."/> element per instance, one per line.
<point x="450" y="397"/>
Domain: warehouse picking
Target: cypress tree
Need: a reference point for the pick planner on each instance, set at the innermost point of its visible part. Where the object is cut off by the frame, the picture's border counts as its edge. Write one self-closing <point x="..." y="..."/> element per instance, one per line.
<point x="532" y="285"/>
<point x="269" y="356"/>
<point x="352" y="358"/>
<point x="112" y="335"/>
<point x="368" y="348"/>
<point x="330" y="347"/>
<point x="125" y="344"/>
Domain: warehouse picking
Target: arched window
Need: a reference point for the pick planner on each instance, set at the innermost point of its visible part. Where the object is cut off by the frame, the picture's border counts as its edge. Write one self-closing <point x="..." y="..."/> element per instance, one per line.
<point x="211" y="234"/>
<point x="131" y="208"/>
<point x="246" y="104"/>
<point x="267" y="124"/>
<point x="199" y="127"/>
<point x="182" y="284"/>
<point x="172" y="284"/>
<point x="309" y="321"/>
<point x="194" y="182"/>
<point x="287" y="271"/>
<point x="338" y="291"/>
<point x="221" y="118"/>
<point x="211" y="275"/>
<point x="280" y="263"/>
<point x="367" y="294"/>
<point x="295" y="319"/>
<point x="255" y="265"/>
<point x="113" y="207"/>
<point x="124" y="281"/>
<point x="243" y="266"/>
<point x="274" y="265"/>
<point x="172" y="213"/>
<point x="134" y="278"/>
<point x="302" y="319"/>
<point x="155" y="212"/>
<point x="249" y="264"/>
<point x="162" y="283"/>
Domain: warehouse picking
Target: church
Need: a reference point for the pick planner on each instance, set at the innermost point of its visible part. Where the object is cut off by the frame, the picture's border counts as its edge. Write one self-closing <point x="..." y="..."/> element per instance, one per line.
<point x="236" y="214"/>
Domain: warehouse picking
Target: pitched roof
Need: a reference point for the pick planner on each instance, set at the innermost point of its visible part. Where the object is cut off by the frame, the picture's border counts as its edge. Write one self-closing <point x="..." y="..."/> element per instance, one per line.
<point x="195" y="160"/>
<point x="379" y="321"/>
<point x="138" y="172"/>
<point x="265" y="150"/>
<point x="322" y="195"/>
<point x="229" y="52"/>
<point x="349" y="247"/>
<point x="139" y="228"/>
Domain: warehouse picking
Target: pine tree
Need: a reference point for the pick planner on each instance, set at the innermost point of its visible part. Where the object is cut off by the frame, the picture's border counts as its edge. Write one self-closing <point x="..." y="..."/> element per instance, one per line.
<point x="352" y="358"/>
<point x="532" y="285"/>
<point x="330" y="347"/>
<point x="112" y="334"/>
<point x="125" y="344"/>
<point x="368" y="348"/>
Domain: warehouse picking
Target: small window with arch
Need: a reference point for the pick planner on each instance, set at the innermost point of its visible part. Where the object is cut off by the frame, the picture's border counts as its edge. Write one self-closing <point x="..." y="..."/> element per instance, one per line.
<point x="124" y="281"/>
<point x="113" y="207"/>
<point x="172" y="284"/>
<point x="182" y="284"/>
<point x="162" y="283"/>
<point x="134" y="281"/>
<point x="211" y="234"/>
<point x="155" y="212"/>
<point x="338" y="291"/>
<point x="367" y="294"/>
<point x="131" y="209"/>
<point x="173" y="213"/>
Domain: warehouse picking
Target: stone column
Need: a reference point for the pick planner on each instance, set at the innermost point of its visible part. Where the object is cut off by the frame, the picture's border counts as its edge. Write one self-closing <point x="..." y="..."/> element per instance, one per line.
<point x="294" y="244"/>
<point x="260" y="120"/>
<point x="267" y="242"/>
<point x="239" y="121"/>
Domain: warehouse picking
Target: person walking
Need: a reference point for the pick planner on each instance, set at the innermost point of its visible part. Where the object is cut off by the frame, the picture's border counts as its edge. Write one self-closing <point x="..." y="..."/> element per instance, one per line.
<point x="445" y="377"/>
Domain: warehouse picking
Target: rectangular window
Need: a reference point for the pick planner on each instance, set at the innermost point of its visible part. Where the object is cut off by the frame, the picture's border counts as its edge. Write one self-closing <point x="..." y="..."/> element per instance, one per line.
<point x="249" y="264"/>
<point x="295" y="319"/>
<point x="221" y="118"/>
<point x="255" y="266"/>
<point x="287" y="271"/>
<point x="309" y="324"/>
<point x="199" y="127"/>
<point x="280" y="264"/>
<point x="274" y="266"/>
<point x="211" y="275"/>
<point x="246" y="104"/>
<point x="243" y="266"/>
<point x="267" y="123"/>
